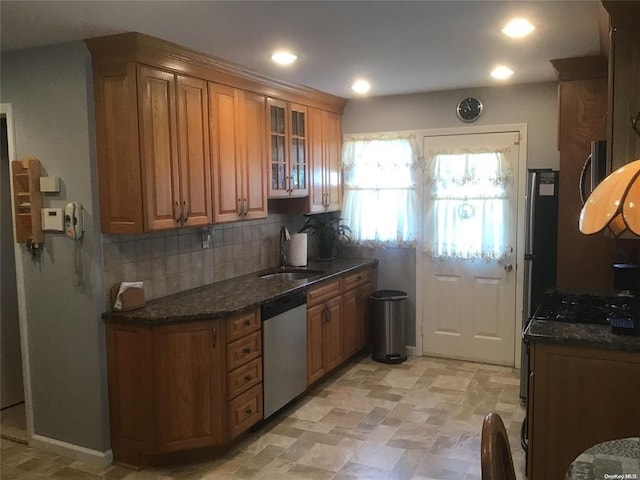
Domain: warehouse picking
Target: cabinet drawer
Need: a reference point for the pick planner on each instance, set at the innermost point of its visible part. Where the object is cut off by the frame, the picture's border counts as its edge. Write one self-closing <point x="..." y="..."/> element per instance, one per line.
<point x="323" y="292"/>
<point x="242" y="325"/>
<point x="358" y="278"/>
<point x="243" y="350"/>
<point x="245" y="410"/>
<point x="243" y="378"/>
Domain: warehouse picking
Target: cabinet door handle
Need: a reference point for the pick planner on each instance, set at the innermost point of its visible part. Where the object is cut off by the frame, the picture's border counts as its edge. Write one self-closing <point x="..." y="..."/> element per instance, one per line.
<point x="214" y="337"/>
<point x="186" y="205"/>
<point x="246" y="350"/>
<point x="247" y="323"/>
<point x="178" y="215"/>
<point x="248" y="411"/>
<point x="248" y="378"/>
<point x="240" y="207"/>
<point x="246" y="207"/>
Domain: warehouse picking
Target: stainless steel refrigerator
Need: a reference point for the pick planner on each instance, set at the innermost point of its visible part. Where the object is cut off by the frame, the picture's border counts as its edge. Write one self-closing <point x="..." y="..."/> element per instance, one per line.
<point x="540" y="254"/>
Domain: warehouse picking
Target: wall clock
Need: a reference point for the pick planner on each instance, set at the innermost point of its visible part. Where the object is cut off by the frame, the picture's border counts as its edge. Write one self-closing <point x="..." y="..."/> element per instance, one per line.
<point x="469" y="109"/>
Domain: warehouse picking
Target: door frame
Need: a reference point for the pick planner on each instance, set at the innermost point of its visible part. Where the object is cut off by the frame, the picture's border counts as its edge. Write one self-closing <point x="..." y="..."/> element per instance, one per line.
<point x="521" y="128"/>
<point x="6" y="110"/>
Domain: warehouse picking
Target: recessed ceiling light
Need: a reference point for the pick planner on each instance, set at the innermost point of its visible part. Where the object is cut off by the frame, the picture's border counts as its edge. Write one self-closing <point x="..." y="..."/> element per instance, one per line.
<point x="284" y="58"/>
<point x="518" y="28"/>
<point x="361" y="86"/>
<point x="501" y="72"/>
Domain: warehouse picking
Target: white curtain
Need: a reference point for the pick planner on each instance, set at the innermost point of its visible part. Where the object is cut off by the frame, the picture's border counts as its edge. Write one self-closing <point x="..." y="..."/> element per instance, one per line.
<point x="380" y="201"/>
<point x="467" y="216"/>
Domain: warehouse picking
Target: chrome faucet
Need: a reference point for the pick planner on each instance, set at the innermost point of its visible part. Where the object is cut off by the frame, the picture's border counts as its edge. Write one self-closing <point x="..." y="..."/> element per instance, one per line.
<point x="284" y="236"/>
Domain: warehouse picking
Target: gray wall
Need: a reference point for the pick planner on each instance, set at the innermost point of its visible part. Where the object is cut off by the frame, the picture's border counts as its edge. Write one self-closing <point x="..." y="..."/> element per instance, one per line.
<point x="11" y="387"/>
<point x="50" y="90"/>
<point x="533" y="104"/>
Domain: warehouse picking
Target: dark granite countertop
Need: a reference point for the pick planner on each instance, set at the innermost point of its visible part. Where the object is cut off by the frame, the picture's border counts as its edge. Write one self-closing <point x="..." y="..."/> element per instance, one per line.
<point x="579" y="335"/>
<point x="229" y="297"/>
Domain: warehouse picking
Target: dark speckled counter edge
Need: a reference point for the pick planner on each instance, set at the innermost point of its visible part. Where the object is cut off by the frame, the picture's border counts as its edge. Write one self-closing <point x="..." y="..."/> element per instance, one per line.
<point x="230" y="297"/>
<point x="579" y="335"/>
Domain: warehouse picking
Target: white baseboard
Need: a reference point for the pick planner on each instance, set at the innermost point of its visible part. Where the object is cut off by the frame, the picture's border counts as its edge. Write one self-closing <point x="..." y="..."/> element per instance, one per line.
<point x="85" y="455"/>
<point x="411" y="350"/>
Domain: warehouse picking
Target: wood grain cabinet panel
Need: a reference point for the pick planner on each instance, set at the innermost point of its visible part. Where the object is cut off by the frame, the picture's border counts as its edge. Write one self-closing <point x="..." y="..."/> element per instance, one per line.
<point x="193" y="152"/>
<point x="243" y="350"/>
<point x="245" y="410"/>
<point x="244" y="377"/>
<point x="157" y="168"/>
<point x="315" y="343"/>
<point x="238" y="137"/>
<point x="355" y="319"/>
<point x="325" y="150"/>
<point x="624" y="83"/>
<point x="188" y="384"/>
<point x="324" y="329"/>
<point x="167" y="388"/>
<point x="333" y="333"/>
<point x="243" y="325"/>
<point x="578" y="397"/>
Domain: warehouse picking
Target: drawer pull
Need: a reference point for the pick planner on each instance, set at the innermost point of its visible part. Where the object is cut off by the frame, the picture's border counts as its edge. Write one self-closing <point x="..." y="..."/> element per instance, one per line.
<point x="247" y="323"/>
<point x="248" y="411"/>
<point x="246" y="350"/>
<point x="248" y="378"/>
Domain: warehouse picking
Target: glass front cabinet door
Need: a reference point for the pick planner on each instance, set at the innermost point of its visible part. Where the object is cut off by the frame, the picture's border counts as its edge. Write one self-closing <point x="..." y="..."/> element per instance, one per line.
<point x="288" y="168"/>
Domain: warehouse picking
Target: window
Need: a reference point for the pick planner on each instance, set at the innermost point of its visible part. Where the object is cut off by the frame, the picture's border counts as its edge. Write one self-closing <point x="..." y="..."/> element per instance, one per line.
<point x="467" y="217"/>
<point x="380" y="201"/>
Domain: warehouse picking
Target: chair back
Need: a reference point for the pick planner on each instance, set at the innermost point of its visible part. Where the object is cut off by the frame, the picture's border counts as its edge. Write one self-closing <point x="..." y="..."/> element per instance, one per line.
<point x="495" y="456"/>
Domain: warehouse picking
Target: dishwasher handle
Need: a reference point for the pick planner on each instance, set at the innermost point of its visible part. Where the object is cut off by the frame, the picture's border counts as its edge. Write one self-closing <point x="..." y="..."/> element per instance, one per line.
<point x="283" y="304"/>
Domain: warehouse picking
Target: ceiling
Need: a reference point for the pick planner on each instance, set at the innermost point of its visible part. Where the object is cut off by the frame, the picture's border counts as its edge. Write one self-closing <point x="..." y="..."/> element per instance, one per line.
<point x="399" y="46"/>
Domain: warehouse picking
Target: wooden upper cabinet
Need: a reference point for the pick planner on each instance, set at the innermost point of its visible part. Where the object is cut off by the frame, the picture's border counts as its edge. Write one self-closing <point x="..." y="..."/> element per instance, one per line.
<point x="159" y="148"/>
<point x="174" y="149"/>
<point x="170" y="156"/>
<point x="193" y="152"/>
<point x="624" y="96"/>
<point x="325" y="150"/>
<point x="253" y="135"/>
<point x="238" y="139"/>
<point x="624" y="83"/>
<point x="117" y="141"/>
<point x="288" y="144"/>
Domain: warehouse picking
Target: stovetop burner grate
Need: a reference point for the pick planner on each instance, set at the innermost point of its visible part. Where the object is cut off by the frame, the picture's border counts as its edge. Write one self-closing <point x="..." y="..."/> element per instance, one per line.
<point x="567" y="307"/>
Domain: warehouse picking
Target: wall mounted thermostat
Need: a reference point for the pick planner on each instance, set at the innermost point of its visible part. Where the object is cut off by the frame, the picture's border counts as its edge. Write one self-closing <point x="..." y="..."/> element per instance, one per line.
<point x="52" y="220"/>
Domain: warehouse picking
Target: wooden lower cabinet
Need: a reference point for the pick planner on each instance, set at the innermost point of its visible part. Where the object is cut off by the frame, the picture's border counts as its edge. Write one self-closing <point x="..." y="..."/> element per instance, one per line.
<point x="324" y="329"/>
<point x="244" y="372"/>
<point x="337" y="321"/>
<point x="182" y="386"/>
<point x="578" y="397"/>
<point x="358" y="287"/>
<point x="166" y="388"/>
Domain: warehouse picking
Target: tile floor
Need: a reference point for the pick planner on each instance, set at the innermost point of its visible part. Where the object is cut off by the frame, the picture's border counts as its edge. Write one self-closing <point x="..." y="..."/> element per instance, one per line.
<point x="418" y="420"/>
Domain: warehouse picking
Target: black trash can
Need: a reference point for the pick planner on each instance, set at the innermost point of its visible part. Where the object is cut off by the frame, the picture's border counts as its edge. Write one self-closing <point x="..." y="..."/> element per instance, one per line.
<point x="389" y="317"/>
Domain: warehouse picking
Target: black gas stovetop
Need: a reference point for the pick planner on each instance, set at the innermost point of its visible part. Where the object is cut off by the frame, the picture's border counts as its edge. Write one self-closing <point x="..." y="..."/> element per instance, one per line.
<point x="582" y="308"/>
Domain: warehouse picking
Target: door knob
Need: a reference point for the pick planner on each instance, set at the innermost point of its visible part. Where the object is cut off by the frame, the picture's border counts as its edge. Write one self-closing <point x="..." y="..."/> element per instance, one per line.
<point x="508" y="267"/>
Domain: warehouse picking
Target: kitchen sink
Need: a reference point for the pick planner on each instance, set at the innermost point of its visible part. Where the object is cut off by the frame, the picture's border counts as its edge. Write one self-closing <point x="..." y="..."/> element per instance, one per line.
<point x="290" y="273"/>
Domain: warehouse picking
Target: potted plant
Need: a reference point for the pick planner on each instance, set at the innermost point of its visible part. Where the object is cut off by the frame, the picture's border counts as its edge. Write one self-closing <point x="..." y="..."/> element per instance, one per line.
<point x="329" y="230"/>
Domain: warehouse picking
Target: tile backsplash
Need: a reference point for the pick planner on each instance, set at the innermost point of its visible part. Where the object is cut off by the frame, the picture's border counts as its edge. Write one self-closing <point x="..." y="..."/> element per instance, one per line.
<point x="173" y="261"/>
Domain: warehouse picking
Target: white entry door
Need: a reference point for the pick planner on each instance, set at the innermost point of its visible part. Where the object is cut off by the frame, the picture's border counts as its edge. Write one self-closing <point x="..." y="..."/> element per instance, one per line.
<point x="469" y="246"/>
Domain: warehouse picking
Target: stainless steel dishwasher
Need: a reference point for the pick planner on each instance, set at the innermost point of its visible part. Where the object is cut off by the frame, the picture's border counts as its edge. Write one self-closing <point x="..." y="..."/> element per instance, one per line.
<point x="284" y="350"/>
